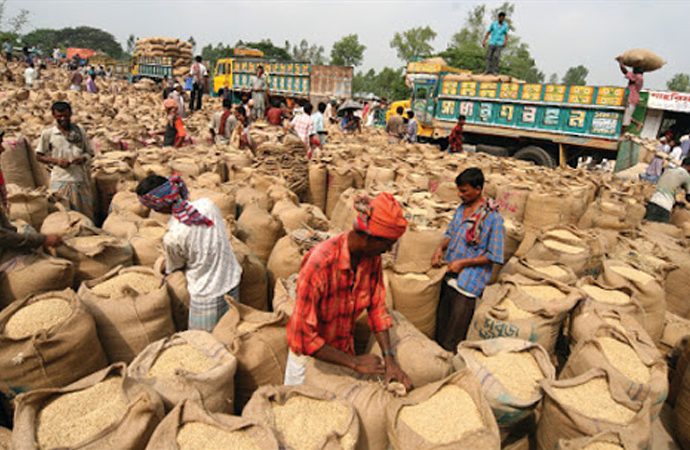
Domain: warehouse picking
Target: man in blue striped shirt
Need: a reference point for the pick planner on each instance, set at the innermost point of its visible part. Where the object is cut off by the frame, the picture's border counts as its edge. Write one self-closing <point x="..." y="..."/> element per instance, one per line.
<point x="473" y="243"/>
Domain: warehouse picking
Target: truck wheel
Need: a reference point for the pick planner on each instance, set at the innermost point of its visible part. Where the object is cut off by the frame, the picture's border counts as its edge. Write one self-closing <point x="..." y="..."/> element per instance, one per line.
<point x="493" y="150"/>
<point x="537" y="155"/>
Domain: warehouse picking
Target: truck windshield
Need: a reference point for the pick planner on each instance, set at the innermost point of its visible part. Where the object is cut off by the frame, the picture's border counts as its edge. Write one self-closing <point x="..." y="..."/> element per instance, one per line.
<point x="220" y="69"/>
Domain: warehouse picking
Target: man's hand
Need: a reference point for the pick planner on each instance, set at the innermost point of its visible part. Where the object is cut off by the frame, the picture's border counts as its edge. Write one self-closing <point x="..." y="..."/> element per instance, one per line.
<point x="395" y="373"/>
<point x="369" y="365"/>
<point x="456" y="266"/>
<point x="52" y="241"/>
<point x="437" y="259"/>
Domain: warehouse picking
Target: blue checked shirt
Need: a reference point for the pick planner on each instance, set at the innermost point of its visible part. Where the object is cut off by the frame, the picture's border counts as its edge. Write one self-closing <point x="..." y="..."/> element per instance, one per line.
<point x="473" y="279"/>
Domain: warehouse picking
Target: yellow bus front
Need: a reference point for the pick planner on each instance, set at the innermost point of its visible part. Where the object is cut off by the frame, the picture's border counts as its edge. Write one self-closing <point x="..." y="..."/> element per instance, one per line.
<point x="222" y="75"/>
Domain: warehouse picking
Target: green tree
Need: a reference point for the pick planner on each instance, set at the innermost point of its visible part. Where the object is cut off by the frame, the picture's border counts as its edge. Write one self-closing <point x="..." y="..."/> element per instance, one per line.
<point x="347" y="51"/>
<point x="19" y="21"/>
<point x="465" y="48"/>
<point x="45" y="39"/>
<point x="576" y="76"/>
<point x="213" y="54"/>
<point x="86" y="37"/>
<point x="270" y="51"/>
<point x="680" y="82"/>
<point x="553" y="78"/>
<point x="389" y="83"/>
<point x="414" y="43"/>
<point x="305" y="52"/>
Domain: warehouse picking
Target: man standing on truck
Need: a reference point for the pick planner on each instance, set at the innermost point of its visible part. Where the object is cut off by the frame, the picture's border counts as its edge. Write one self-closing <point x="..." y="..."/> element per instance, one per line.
<point x="635" y="83"/>
<point x="338" y="280"/>
<point x="661" y="204"/>
<point x="259" y="93"/>
<point x="198" y="73"/>
<point x="497" y="37"/>
<point x="472" y="244"/>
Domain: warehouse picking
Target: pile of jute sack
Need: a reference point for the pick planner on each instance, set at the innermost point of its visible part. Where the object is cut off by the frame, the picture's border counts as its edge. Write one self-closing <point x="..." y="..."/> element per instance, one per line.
<point x="179" y="52"/>
<point x="571" y="346"/>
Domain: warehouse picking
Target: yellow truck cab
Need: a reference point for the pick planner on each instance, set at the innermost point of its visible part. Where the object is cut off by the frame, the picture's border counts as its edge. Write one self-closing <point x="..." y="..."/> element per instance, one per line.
<point x="222" y="73"/>
<point x="428" y="68"/>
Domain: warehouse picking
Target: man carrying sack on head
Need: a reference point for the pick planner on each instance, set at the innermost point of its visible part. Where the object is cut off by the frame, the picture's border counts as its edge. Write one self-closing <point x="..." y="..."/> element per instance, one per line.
<point x="339" y="279"/>
<point x="197" y="242"/>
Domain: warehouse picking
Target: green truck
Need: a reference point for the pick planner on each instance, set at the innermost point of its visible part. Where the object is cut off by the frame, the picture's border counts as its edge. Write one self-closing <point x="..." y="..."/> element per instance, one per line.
<point x="548" y="124"/>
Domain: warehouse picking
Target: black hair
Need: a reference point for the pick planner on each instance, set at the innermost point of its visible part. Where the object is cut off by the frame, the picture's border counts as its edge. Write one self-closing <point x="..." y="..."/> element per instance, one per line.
<point x="400" y="110"/>
<point x="241" y="111"/>
<point x="322" y="107"/>
<point x="308" y="108"/>
<point x="150" y="183"/>
<point x="462" y="117"/>
<point x="197" y="58"/>
<point x="227" y="103"/>
<point x="259" y="67"/>
<point x="638" y="70"/>
<point x="410" y="114"/>
<point x="686" y="161"/>
<point x="501" y="14"/>
<point x="61" y="106"/>
<point x="472" y="176"/>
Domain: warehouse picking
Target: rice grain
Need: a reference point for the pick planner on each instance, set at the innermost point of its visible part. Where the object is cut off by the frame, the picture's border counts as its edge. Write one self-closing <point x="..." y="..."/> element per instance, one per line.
<point x="563" y="248"/>
<point x="632" y="274"/>
<point x="182" y="356"/>
<point x="514" y="312"/>
<point x="602" y="446"/>
<point x="609" y="296"/>
<point x="593" y="399"/>
<point x="37" y="316"/>
<point x="140" y="282"/>
<point x="552" y="271"/>
<point x="624" y="358"/>
<point x="518" y="372"/>
<point x="445" y="417"/>
<point x="542" y="292"/>
<point x="74" y="417"/>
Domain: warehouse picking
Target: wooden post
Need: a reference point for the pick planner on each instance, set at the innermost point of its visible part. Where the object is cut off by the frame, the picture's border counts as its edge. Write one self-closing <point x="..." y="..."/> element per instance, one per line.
<point x="562" y="163"/>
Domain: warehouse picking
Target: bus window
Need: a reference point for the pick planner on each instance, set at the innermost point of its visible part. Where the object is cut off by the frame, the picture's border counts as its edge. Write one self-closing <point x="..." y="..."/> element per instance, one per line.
<point x="420" y="93"/>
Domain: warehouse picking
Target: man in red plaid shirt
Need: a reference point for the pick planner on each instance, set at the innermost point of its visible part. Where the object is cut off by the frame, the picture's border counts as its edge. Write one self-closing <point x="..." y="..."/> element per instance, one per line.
<point x="339" y="279"/>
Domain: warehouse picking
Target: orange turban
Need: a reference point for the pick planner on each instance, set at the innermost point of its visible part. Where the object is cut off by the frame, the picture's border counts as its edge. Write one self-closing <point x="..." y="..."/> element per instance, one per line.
<point x="381" y="217"/>
<point x="169" y="103"/>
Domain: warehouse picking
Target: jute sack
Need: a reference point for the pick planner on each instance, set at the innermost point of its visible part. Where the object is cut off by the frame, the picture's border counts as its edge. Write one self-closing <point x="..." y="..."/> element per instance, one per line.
<point x="136" y="413"/>
<point x="5" y="438"/>
<point x="449" y="414"/>
<point x="369" y="398"/>
<point x="189" y="426"/>
<point x="284" y="295"/>
<point x="122" y="225"/>
<point x="126" y="201"/>
<point x="507" y="310"/>
<point x="416" y="296"/>
<point x="415" y="250"/>
<point x="642" y="58"/>
<point x="285" y="259"/>
<point x="53" y="355"/>
<point x="28" y="205"/>
<point x="585" y="405"/>
<point x="246" y="195"/>
<point x="303" y="216"/>
<point x="512" y="199"/>
<point x="318" y="185"/>
<point x="340" y="178"/>
<point x="681" y="413"/>
<point x="131" y="317"/>
<point x="550" y="207"/>
<point x="512" y="389"/>
<point x="33" y="273"/>
<point x="343" y="213"/>
<point x="204" y="371"/>
<point x="254" y="282"/>
<point x="675" y="330"/>
<point x="614" y="439"/>
<point x="259" y="230"/>
<point x="19" y="165"/>
<point x="574" y="248"/>
<point x="422" y="359"/>
<point x="588" y="317"/>
<point x="94" y="256"/>
<point x="639" y="368"/>
<point x="66" y="224"/>
<point x="176" y="284"/>
<point x="147" y="243"/>
<point x="224" y="201"/>
<point x="538" y="270"/>
<point x="648" y="290"/>
<point x="603" y="297"/>
<point x="678" y="281"/>
<point x="258" y="340"/>
<point x="378" y="177"/>
<point x="619" y="213"/>
<point x="293" y="412"/>
<point x="514" y="233"/>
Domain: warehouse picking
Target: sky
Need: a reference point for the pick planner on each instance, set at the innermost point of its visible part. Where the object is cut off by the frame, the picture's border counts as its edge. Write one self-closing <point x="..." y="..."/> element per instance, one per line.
<point x="560" y="34"/>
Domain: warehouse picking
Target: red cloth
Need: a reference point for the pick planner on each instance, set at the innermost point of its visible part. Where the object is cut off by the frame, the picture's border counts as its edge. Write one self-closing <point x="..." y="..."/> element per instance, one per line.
<point x="330" y="297"/>
<point x="380" y="217"/>
<point x="455" y="139"/>
<point x="223" y="120"/>
<point x="274" y="116"/>
<point x="3" y="194"/>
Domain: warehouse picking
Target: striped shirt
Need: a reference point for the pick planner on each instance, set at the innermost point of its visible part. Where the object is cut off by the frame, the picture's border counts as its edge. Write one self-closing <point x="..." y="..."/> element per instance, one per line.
<point x="473" y="279"/>
<point x="330" y="297"/>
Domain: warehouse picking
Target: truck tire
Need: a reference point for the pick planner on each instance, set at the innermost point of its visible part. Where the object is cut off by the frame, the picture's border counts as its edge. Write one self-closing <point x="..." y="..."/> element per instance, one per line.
<point x="493" y="150"/>
<point x="537" y="155"/>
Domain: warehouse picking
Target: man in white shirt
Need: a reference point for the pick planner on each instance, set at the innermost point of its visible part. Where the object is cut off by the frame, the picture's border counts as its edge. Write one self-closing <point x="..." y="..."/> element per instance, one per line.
<point x="197" y="242"/>
<point x="30" y="76"/>
<point x="198" y="73"/>
<point x="661" y="204"/>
